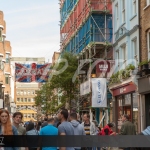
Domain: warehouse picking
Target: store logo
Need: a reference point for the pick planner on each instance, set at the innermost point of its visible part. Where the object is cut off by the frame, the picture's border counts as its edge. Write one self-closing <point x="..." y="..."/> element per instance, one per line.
<point x="122" y="90"/>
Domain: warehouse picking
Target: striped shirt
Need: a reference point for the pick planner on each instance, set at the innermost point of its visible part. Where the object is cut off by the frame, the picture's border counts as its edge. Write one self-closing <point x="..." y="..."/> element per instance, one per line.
<point x="87" y="129"/>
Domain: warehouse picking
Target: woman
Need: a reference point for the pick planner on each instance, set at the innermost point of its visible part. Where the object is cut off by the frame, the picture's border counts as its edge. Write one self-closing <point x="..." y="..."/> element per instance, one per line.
<point x="31" y="131"/>
<point x="107" y="130"/>
<point x="6" y="128"/>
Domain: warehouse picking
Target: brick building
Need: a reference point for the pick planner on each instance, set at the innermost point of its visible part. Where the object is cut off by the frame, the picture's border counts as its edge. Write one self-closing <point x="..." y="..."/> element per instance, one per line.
<point x="144" y="68"/>
<point x="5" y="69"/>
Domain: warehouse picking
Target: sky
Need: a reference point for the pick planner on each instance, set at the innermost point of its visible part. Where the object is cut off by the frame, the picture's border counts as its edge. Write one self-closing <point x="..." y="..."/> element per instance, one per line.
<point x="32" y="27"/>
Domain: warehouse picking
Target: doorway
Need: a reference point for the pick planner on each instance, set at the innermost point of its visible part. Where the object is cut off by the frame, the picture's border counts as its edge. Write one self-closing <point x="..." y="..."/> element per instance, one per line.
<point x="147" y="109"/>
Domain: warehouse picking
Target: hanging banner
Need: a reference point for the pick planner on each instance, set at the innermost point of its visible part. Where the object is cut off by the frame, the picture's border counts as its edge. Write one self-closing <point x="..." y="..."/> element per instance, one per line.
<point x="31" y="72"/>
<point x="99" y="92"/>
<point x="85" y="88"/>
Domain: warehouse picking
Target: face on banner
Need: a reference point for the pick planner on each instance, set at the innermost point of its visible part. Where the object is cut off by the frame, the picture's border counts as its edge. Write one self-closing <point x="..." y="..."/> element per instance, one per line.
<point x="99" y="92"/>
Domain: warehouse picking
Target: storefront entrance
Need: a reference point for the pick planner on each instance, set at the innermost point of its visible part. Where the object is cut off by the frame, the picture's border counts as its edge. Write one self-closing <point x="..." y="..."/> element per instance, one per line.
<point x="147" y="109"/>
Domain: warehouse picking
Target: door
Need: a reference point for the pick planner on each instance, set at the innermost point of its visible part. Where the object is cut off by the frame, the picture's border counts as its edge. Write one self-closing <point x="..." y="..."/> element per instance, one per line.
<point x="147" y="109"/>
<point x="127" y="110"/>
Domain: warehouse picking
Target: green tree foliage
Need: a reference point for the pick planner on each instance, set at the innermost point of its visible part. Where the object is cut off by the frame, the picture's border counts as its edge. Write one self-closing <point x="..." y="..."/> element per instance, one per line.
<point x="48" y="94"/>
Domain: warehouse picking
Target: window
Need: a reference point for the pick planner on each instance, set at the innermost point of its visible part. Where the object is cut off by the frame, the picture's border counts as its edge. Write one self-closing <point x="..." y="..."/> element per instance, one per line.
<point x="21" y="92"/>
<point x="124" y="54"/>
<point x="25" y="99"/>
<point x="7" y="79"/>
<point x="1" y="63"/>
<point x="21" y="99"/>
<point x="28" y="92"/>
<point x="134" y="43"/>
<point x="18" y="92"/>
<point x="148" y="43"/>
<point x="18" y="99"/>
<point x="134" y="7"/>
<point x="7" y="58"/>
<point x="123" y="11"/>
<point x="117" y="16"/>
<point x="1" y="34"/>
<point x="117" y="57"/>
<point x="29" y="100"/>
<point x="25" y="92"/>
<point x="147" y="2"/>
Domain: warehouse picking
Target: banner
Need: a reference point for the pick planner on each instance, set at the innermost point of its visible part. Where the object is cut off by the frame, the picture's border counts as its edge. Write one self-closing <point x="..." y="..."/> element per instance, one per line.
<point x="85" y="88"/>
<point x="99" y="92"/>
<point x="31" y="72"/>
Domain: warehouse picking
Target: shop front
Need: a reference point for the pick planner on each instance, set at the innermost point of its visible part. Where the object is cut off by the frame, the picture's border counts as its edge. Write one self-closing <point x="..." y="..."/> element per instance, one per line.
<point x="125" y="102"/>
<point x="144" y="91"/>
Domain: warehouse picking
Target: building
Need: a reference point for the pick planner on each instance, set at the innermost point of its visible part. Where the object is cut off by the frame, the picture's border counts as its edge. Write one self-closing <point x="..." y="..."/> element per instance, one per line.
<point x="6" y="100"/>
<point x="86" y="30"/>
<point x="24" y="93"/>
<point x="123" y="83"/>
<point x="144" y="68"/>
<point x="55" y="57"/>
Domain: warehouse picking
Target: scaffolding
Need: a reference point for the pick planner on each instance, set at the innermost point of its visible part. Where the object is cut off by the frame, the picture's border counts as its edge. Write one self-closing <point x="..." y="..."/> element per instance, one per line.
<point x="80" y="20"/>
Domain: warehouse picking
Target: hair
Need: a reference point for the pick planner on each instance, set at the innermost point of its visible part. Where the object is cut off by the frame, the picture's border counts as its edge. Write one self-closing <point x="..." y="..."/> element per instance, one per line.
<point x="73" y="115"/>
<point x="45" y="119"/>
<point x="110" y="125"/>
<point x="88" y="116"/>
<point x="30" y="126"/>
<point x="18" y="113"/>
<point x="95" y="122"/>
<point x="7" y="125"/>
<point x="64" y="112"/>
<point x="50" y="119"/>
<point x="126" y="116"/>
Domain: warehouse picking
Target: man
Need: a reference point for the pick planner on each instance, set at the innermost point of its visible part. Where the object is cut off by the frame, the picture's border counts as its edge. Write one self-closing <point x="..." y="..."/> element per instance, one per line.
<point x="17" y="119"/>
<point x="45" y="123"/>
<point x="49" y="130"/>
<point x="65" y="128"/>
<point x="127" y="128"/>
<point x="78" y="128"/>
<point x="89" y="127"/>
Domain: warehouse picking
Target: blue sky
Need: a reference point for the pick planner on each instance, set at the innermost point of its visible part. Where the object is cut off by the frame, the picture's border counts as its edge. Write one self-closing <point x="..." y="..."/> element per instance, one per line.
<point x="32" y="27"/>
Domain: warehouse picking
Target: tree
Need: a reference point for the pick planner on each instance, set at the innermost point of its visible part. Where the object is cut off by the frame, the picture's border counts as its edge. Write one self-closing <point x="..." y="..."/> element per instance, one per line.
<point x="48" y="95"/>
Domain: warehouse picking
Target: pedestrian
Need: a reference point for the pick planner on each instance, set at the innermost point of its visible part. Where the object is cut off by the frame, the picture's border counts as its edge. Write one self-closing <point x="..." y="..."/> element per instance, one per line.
<point x="56" y="122"/>
<point x="38" y="126"/>
<point x="45" y="122"/>
<point x="127" y="128"/>
<point x="78" y="128"/>
<point x="6" y="128"/>
<point x="31" y="131"/>
<point x="49" y="130"/>
<point x="89" y="127"/>
<point x="17" y="120"/>
<point x="107" y="130"/>
<point x="65" y="128"/>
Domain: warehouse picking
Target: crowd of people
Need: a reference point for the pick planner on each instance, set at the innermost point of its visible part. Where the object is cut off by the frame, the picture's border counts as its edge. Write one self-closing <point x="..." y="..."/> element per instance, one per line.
<point x="63" y="124"/>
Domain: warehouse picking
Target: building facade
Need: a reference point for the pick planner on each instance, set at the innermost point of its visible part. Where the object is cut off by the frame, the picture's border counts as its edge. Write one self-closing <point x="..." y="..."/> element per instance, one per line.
<point x="86" y="30"/>
<point x="6" y="100"/>
<point x="24" y="93"/>
<point x="144" y="67"/>
<point x="123" y="83"/>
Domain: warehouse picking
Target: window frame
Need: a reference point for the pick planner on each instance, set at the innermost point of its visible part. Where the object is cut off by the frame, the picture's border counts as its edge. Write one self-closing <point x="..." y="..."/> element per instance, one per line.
<point x="134" y="7"/>
<point x="124" y="54"/>
<point x="7" y="59"/>
<point x="7" y="79"/>
<point x="148" y="43"/>
<point x="147" y="2"/>
<point x="123" y="11"/>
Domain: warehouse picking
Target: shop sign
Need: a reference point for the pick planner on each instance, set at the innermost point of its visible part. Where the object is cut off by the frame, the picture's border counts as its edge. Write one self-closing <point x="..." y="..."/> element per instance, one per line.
<point x="103" y="66"/>
<point x="85" y="88"/>
<point x="124" y="90"/>
<point x="99" y="92"/>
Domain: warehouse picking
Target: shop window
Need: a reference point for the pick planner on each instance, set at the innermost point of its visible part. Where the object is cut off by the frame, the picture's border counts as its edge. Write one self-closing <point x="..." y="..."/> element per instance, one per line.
<point x="7" y="79"/>
<point x="135" y="110"/>
<point x="7" y="58"/>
